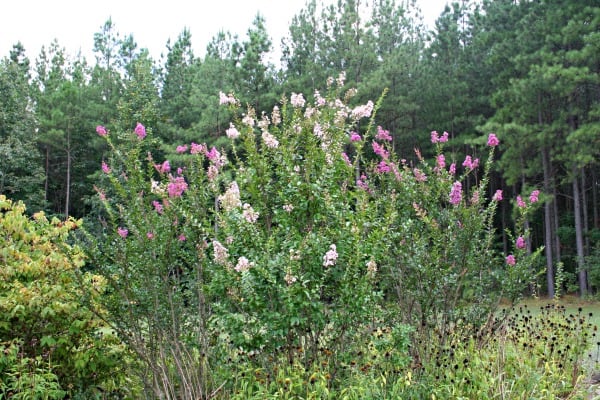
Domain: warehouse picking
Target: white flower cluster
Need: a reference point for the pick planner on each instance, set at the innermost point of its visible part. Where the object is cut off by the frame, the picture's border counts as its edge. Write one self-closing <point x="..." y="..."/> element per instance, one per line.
<point x="297" y="100"/>
<point x="232" y="133"/>
<point x="330" y="257"/>
<point x="243" y="264"/>
<point x="270" y="140"/>
<point x="249" y="214"/>
<point x="231" y="198"/>
<point x="220" y="253"/>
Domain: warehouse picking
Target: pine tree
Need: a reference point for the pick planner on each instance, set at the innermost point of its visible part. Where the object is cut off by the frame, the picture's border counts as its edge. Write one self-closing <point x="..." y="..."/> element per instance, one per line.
<point x="21" y="173"/>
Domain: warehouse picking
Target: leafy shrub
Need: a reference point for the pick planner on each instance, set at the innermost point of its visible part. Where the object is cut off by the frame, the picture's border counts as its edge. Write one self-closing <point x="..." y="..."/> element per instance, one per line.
<point x="308" y="235"/>
<point x="51" y="345"/>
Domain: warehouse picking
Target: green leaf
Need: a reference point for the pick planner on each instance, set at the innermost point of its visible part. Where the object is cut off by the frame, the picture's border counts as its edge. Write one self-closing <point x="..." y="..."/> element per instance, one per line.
<point x="47" y="341"/>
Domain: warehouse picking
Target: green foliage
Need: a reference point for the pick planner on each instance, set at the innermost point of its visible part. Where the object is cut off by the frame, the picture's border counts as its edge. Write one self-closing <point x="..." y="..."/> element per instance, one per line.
<point x="139" y="100"/>
<point x="291" y="249"/>
<point x="27" y="378"/>
<point x="273" y="250"/>
<point x="536" y="354"/>
<point x="253" y="75"/>
<point x="177" y="85"/>
<point x="65" y="108"/>
<point x="592" y="265"/>
<point x="325" y="39"/>
<point x="52" y="346"/>
<point x="21" y="174"/>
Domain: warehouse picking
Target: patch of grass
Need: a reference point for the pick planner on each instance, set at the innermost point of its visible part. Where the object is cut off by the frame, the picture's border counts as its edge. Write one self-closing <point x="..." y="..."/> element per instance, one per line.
<point x="574" y="305"/>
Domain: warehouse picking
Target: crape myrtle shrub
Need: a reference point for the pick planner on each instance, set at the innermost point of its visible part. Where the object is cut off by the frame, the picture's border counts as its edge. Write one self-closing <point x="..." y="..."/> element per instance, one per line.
<point x="301" y="238"/>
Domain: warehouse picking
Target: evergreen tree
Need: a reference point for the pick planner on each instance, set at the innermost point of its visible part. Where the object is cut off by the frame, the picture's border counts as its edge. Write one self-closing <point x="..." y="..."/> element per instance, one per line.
<point x="399" y="38"/>
<point x="254" y="76"/>
<point x="325" y="42"/>
<point x="303" y="69"/>
<point x="21" y="173"/>
<point x="107" y="72"/>
<point x="544" y="104"/>
<point x="214" y="74"/>
<point x="139" y="102"/>
<point x="66" y="129"/>
<point x="176" y="90"/>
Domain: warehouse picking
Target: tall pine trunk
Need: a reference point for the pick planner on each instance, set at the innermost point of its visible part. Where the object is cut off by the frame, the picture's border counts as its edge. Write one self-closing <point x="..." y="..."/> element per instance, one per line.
<point x="595" y="205"/>
<point x="583" y="284"/>
<point x="547" y="169"/>
<point x="548" y="222"/>
<point x="555" y="221"/>
<point x="47" y="173"/>
<point x="68" y="184"/>
<point x="584" y="209"/>
<point x="68" y="177"/>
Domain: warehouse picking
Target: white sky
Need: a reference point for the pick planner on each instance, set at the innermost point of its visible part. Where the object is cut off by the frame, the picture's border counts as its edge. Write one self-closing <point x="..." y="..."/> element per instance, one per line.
<point x="73" y="22"/>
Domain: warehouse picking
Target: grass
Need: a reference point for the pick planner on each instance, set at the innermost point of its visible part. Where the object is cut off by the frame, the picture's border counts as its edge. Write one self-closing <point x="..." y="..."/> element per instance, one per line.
<point x="571" y="303"/>
<point x="576" y="305"/>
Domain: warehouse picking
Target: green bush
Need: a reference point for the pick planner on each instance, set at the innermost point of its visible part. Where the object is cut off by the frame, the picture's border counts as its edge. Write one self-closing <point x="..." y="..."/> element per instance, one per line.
<point x="51" y="346"/>
<point x="302" y="240"/>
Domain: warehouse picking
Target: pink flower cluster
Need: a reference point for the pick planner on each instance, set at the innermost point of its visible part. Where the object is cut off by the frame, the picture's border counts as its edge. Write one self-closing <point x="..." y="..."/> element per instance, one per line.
<point x="270" y="140"/>
<point x="383" y="167"/>
<point x="492" y="140"/>
<point x="419" y="175"/>
<point x="355" y="137"/>
<point x="123" y="232"/>
<point x="520" y="244"/>
<point x="140" y="131"/>
<point x="220" y="253"/>
<point x="213" y="154"/>
<point x="346" y="159"/>
<point x="470" y="164"/>
<point x="380" y="151"/>
<point x="511" y="260"/>
<point x="362" y="183"/>
<point x="318" y="130"/>
<point x="319" y="100"/>
<point x="498" y="195"/>
<point x="249" y="214"/>
<point x="101" y="130"/>
<point x="232" y="133"/>
<point x="163" y="168"/>
<point x="456" y="193"/>
<point x="382" y="134"/>
<point x="533" y="198"/>
<point x="197" y="148"/>
<point x="436" y="138"/>
<point x="176" y="186"/>
<point x="243" y="264"/>
<point x="157" y="206"/>
<point x="440" y="161"/>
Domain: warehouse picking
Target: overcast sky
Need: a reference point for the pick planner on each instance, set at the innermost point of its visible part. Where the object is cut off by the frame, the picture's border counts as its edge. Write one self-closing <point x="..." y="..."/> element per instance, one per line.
<point x="73" y="22"/>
